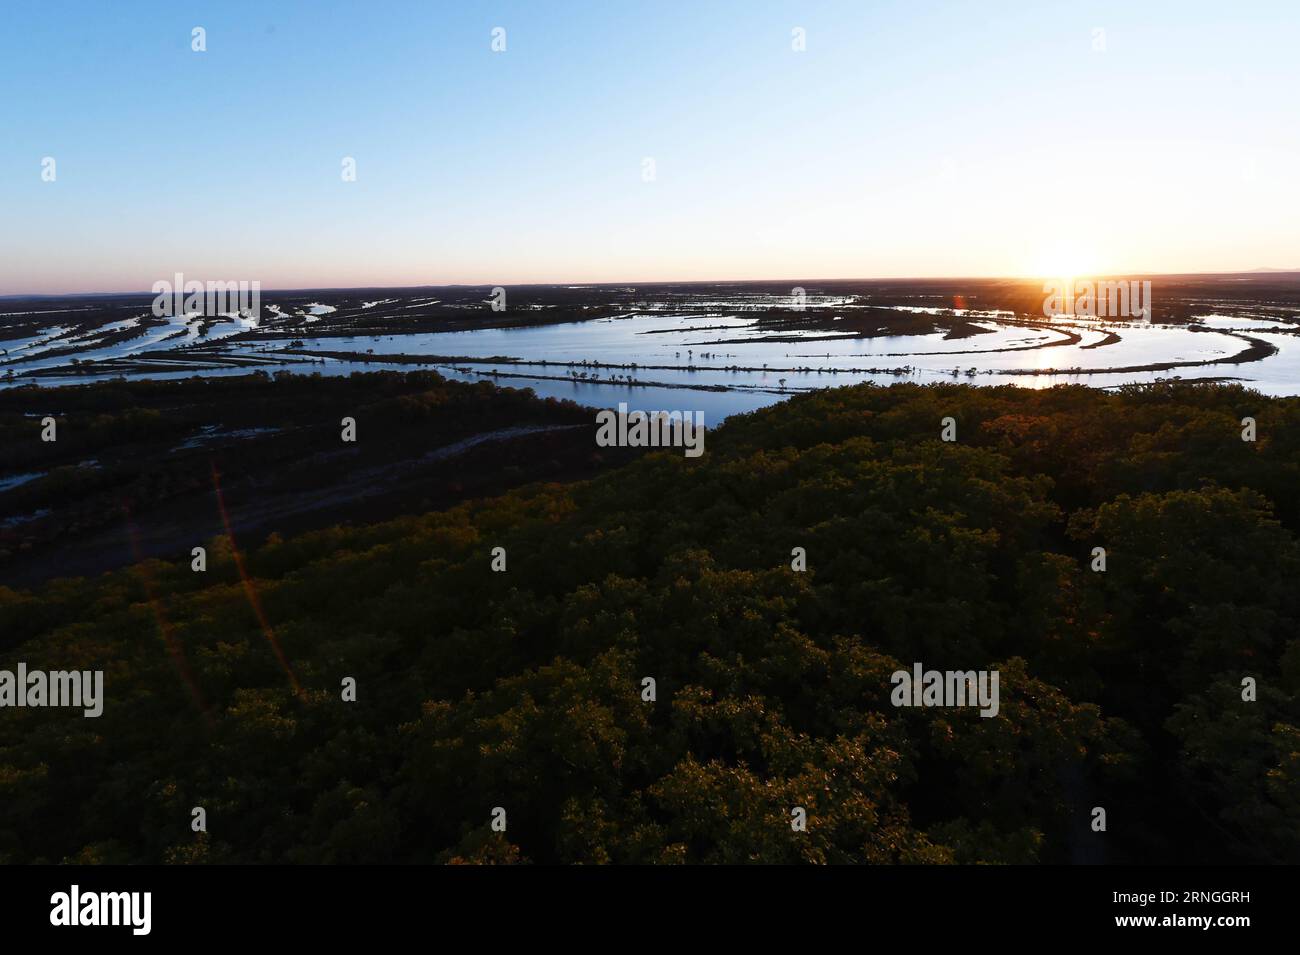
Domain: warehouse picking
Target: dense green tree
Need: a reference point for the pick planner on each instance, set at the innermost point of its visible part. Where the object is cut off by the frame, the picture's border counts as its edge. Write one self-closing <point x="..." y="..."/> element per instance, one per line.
<point x="524" y="690"/>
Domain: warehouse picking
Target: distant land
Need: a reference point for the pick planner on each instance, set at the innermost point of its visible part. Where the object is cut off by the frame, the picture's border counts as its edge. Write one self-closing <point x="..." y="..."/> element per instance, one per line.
<point x="654" y="282"/>
<point x="721" y="348"/>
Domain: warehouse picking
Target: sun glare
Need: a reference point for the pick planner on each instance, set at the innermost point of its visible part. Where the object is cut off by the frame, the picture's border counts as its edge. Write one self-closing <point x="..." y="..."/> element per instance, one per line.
<point x="1064" y="259"/>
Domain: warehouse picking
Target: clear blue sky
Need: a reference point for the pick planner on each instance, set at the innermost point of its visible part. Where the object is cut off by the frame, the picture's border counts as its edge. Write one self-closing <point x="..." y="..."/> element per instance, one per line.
<point x="910" y="138"/>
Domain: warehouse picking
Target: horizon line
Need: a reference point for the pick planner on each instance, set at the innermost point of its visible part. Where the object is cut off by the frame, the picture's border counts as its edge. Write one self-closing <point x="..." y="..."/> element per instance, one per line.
<point x="617" y="282"/>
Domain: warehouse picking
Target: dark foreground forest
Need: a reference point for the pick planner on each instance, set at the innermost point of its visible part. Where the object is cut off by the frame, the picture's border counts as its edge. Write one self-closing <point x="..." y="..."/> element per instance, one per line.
<point x="523" y="689"/>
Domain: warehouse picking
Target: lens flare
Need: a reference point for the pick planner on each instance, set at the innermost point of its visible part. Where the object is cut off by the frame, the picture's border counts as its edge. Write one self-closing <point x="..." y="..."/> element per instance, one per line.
<point x="250" y="591"/>
<point x="164" y="626"/>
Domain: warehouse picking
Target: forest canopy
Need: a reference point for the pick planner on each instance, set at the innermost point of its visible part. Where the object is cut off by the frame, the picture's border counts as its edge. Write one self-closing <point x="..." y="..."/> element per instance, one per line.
<point x="524" y="689"/>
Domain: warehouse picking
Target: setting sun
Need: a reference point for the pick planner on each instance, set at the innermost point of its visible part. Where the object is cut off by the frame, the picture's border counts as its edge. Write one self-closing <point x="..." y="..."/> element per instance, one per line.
<point x="1064" y="259"/>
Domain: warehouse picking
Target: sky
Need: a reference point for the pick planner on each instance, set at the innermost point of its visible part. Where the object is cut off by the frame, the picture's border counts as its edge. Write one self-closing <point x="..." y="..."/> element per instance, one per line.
<point x="907" y="138"/>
